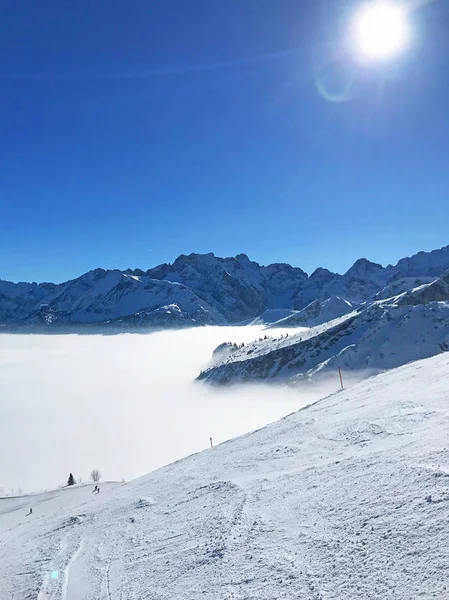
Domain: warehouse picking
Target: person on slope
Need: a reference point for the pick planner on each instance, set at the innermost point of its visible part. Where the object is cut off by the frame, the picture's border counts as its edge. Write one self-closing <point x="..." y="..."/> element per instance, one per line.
<point x="95" y="489"/>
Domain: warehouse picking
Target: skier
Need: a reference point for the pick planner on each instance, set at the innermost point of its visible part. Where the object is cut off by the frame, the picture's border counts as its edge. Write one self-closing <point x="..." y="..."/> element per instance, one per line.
<point x="95" y="489"/>
<point x="98" y="489"/>
<point x="30" y="513"/>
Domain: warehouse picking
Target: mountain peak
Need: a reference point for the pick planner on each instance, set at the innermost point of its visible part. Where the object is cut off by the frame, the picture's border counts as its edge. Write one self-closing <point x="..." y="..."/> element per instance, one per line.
<point x="423" y="263"/>
<point x="193" y="258"/>
<point x="363" y="265"/>
<point x="211" y="290"/>
<point x="322" y="273"/>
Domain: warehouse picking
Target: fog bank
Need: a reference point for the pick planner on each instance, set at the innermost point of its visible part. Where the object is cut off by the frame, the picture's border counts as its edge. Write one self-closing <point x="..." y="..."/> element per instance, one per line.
<point x="124" y="404"/>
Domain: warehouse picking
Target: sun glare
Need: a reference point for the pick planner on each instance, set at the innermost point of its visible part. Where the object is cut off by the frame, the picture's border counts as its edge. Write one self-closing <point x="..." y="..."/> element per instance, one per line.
<point x="379" y="30"/>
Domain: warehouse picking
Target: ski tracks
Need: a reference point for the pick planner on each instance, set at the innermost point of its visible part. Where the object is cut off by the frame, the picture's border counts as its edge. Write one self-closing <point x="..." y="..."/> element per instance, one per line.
<point x="71" y="561"/>
<point x="243" y="569"/>
<point x="258" y="534"/>
<point x="109" y="558"/>
<point x="105" y="590"/>
<point x="55" y="580"/>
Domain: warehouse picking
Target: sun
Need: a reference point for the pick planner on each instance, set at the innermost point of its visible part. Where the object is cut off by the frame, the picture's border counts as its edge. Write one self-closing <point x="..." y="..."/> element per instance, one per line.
<point x="379" y="30"/>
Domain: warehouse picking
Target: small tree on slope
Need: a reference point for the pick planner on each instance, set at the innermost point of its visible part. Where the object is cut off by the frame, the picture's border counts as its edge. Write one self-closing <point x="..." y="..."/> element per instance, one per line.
<point x="95" y="475"/>
<point x="71" y="480"/>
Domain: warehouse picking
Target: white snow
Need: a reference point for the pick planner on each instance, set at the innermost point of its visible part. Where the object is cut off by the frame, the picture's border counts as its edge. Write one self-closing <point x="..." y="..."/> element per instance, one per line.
<point x="345" y="500"/>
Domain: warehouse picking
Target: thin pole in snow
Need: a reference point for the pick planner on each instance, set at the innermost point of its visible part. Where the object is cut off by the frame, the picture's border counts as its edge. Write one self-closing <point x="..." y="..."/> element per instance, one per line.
<point x="211" y="444"/>
<point x="341" y="378"/>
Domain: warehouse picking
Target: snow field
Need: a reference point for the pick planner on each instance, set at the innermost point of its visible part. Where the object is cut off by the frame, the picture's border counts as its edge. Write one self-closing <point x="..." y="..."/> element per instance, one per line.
<point x="346" y="499"/>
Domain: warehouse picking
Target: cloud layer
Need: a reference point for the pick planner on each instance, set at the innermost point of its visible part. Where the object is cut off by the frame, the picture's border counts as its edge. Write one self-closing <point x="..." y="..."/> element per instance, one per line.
<point x="125" y="404"/>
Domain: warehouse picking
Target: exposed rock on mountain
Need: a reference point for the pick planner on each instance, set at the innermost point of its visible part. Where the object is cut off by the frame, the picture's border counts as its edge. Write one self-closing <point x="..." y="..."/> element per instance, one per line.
<point x="205" y="289"/>
<point x="382" y="336"/>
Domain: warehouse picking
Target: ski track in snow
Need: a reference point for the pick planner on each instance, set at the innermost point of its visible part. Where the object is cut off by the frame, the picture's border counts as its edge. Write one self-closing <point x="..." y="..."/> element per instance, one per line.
<point x="56" y="588"/>
<point x="347" y="499"/>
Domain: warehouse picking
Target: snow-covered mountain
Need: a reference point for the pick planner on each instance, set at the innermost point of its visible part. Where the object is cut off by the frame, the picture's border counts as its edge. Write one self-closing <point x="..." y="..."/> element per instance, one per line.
<point x="271" y="316"/>
<point x="346" y="499"/>
<point x="237" y="287"/>
<point x="315" y="313"/>
<point x="435" y="291"/>
<point x="384" y="335"/>
<point x="100" y="296"/>
<point x="205" y="289"/>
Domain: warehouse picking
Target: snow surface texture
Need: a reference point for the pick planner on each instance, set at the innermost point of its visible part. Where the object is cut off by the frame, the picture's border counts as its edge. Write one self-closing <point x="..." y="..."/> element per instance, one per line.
<point x="345" y="500"/>
<point x="204" y="289"/>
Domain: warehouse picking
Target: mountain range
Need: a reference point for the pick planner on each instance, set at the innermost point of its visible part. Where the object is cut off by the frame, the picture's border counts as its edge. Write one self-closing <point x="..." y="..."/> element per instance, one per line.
<point x="202" y="289"/>
<point x="378" y="335"/>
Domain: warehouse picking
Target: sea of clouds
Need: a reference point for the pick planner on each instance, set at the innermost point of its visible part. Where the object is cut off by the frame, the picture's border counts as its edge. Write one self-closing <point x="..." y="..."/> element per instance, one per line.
<point x="125" y="404"/>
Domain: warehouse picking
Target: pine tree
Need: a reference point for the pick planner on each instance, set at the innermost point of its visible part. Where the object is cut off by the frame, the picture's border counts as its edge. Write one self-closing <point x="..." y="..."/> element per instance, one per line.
<point x="71" y="480"/>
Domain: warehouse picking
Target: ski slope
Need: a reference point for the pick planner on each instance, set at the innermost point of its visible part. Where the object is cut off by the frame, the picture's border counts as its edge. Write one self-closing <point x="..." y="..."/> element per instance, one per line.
<point x="346" y="499"/>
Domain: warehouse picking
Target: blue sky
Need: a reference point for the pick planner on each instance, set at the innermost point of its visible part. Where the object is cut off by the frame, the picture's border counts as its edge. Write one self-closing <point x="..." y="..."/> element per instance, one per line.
<point x="132" y="132"/>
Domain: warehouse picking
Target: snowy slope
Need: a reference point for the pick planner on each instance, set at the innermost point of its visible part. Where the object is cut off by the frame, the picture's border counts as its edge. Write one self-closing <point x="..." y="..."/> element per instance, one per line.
<point x="382" y="336"/>
<point x="401" y="285"/>
<point x="432" y="264"/>
<point x="361" y="282"/>
<point x="345" y="500"/>
<point x="272" y="316"/>
<point x="366" y="279"/>
<point x="435" y="291"/>
<point x="104" y="296"/>
<point x="316" y="313"/>
<point x="204" y="289"/>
